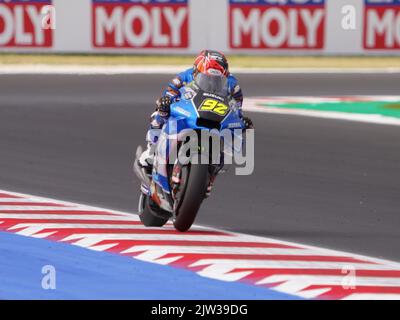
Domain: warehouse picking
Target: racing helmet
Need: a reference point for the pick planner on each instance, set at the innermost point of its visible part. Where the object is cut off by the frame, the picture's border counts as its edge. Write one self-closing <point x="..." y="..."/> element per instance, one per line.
<point x="209" y="61"/>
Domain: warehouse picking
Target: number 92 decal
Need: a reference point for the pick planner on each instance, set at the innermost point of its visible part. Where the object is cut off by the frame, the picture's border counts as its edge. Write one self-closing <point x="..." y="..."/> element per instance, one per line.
<point x="214" y="106"/>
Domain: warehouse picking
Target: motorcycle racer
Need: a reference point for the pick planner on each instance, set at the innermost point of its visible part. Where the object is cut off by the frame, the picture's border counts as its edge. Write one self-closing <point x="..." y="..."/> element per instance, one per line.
<point x="207" y="62"/>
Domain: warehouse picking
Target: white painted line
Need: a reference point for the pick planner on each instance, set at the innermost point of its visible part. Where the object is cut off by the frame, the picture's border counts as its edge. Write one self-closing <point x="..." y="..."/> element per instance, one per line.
<point x="66" y="203"/>
<point x="376" y="119"/>
<point x="252" y="105"/>
<point x="226" y="250"/>
<point x="44" y="226"/>
<point x="369" y="296"/>
<point x="50" y="217"/>
<point x="87" y="70"/>
<point x="168" y="69"/>
<point x="33" y="208"/>
<point x="282" y="264"/>
<point x="323" y="99"/>
<point x="307" y="280"/>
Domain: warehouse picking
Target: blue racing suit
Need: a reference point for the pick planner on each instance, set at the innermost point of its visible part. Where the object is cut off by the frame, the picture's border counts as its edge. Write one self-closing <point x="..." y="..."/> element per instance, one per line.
<point x="173" y="92"/>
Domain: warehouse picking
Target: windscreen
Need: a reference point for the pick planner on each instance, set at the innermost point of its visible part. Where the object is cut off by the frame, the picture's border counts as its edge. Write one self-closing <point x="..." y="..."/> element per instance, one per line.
<point x="216" y="84"/>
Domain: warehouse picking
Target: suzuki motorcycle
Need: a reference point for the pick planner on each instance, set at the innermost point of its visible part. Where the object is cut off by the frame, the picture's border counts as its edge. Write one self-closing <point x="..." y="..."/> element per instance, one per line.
<point x="175" y="189"/>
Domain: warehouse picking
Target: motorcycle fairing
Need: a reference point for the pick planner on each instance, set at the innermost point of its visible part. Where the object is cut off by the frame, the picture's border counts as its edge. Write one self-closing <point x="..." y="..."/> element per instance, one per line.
<point x="185" y="115"/>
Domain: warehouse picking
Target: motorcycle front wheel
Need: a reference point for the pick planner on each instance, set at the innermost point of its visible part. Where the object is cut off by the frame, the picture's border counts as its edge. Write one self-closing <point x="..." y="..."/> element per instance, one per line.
<point x="196" y="187"/>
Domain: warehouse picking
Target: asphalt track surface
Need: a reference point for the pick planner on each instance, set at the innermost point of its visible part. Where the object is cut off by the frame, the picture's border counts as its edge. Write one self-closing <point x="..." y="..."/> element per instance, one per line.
<point x="329" y="183"/>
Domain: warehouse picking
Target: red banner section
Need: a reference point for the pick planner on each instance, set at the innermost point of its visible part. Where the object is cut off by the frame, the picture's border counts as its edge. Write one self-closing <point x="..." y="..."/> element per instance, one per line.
<point x="271" y="24"/>
<point x="382" y="24"/>
<point x="25" y="24"/>
<point x="140" y="24"/>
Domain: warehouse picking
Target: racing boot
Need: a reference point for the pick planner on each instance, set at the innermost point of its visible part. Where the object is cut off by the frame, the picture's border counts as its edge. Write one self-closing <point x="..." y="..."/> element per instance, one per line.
<point x="146" y="158"/>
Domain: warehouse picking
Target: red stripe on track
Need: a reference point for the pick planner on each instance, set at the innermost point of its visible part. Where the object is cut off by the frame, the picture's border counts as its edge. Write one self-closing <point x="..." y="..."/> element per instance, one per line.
<point x="126" y="244"/>
<point x="338" y="292"/>
<point x="8" y="223"/>
<point x="67" y="212"/>
<point x="259" y="274"/>
<point x="5" y="195"/>
<point x="32" y="204"/>
<point x="62" y="233"/>
<point x="187" y="259"/>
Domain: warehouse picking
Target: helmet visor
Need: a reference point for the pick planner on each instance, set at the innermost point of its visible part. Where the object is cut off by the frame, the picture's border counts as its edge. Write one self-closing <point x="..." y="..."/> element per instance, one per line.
<point x="216" y="84"/>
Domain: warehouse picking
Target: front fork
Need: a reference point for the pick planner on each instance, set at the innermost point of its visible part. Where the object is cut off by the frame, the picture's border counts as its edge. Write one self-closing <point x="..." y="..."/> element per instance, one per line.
<point x="178" y="182"/>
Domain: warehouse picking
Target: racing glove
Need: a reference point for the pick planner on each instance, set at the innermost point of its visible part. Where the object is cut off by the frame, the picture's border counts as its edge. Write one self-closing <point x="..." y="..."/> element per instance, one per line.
<point x="163" y="106"/>
<point x="248" y="123"/>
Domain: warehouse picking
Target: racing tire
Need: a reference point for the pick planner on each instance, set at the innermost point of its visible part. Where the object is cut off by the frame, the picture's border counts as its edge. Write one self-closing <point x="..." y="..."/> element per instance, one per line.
<point x="194" y="195"/>
<point x="148" y="216"/>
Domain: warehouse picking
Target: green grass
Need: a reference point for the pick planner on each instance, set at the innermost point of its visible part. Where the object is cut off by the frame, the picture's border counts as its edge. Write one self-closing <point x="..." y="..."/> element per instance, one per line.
<point x="235" y="61"/>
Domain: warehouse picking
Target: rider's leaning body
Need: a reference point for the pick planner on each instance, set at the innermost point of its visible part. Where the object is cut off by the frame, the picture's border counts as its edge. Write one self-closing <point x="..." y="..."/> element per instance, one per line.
<point x="173" y="93"/>
<point x="208" y="62"/>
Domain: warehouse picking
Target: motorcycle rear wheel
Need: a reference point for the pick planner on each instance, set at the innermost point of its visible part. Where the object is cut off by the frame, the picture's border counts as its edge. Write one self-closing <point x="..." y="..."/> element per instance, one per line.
<point x="148" y="216"/>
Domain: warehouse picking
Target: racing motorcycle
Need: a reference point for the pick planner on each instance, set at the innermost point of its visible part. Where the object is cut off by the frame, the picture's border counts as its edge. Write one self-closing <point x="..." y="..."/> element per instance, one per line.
<point x="175" y="189"/>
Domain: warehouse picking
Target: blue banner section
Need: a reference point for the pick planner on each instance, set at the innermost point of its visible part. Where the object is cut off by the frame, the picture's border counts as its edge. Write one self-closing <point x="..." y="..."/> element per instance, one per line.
<point x="379" y="3"/>
<point x="299" y="3"/>
<point x="78" y="273"/>
<point x="142" y="1"/>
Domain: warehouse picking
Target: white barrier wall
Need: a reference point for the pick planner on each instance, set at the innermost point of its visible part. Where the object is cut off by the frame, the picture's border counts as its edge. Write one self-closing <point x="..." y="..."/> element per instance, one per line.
<point x="187" y="26"/>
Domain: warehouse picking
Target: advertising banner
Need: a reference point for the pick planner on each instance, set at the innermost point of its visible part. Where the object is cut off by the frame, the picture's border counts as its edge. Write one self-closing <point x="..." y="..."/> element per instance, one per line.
<point x="140" y="24"/>
<point x="307" y="27"/>
<point x="24" y="23"/>
<point x="382" y="24"/>
<point x="273" y="24"/>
